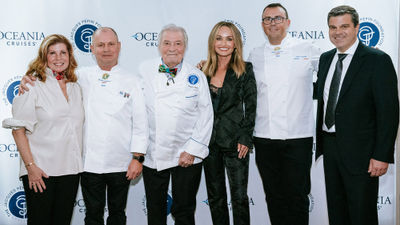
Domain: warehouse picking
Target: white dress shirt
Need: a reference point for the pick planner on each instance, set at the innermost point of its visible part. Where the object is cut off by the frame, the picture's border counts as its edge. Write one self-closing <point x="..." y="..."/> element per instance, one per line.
<point x="180" y="114"/>
<point x="116" y="123"/>
<point x="346" y="63"/>
<point x="53" y="126"/>
<point x="284" y="76"/>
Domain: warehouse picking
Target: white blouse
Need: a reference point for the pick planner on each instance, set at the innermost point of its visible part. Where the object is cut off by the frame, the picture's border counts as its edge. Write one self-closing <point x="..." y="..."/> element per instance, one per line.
<point x="53" y="126"/>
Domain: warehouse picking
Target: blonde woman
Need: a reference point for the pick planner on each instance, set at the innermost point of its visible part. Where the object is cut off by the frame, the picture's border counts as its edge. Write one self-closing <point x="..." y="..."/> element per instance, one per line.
<point x="233" y="93"/>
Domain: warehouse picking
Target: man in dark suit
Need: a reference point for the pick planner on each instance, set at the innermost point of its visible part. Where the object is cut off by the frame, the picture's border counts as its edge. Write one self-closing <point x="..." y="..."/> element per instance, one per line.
<point x="357" y="120"/>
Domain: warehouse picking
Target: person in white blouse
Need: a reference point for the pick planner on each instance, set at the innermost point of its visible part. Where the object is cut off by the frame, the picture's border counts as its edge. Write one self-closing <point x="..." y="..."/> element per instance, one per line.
<point x="284" y="127"/>
<point x="115" y="131"/>
<point x="180" y="119"/>
<point x="47" y="127"/>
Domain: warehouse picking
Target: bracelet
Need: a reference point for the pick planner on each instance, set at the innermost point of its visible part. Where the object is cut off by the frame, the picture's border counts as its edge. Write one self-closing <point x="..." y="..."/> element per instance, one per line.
<point x="29" y="164"/>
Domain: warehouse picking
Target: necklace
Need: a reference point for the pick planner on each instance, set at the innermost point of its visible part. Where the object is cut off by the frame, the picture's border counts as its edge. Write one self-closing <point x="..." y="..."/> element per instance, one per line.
<point x="57" y="75"/>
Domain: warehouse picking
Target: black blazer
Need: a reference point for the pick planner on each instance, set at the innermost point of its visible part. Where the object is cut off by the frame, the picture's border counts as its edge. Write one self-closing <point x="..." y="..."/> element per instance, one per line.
<point x="235" y="116"/>
<point x="367" y="111"/>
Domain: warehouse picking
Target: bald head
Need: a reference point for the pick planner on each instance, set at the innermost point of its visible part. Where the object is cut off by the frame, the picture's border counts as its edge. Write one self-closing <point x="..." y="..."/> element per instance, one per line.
<point x="105" y="47"/>
<point x="104" y="29"/>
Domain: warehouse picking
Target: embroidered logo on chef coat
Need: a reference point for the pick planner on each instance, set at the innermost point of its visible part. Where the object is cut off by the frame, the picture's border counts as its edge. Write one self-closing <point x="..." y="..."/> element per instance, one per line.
<point x="277" y="51"/>
<point x="104" y="79"/>
<point x="124" y="94"/>
<point x="193" y="79"/>
<point x="105" y="76"/>
<point x="300" y="57"/>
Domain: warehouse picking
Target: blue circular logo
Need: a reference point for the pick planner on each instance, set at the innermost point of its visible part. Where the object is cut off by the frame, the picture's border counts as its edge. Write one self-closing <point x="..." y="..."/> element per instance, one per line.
<point x="193" y="79"/>
<point x="17" y="205"/>
<point x="369" y="34"/>
<point x="83" y="37"/>
<point x="12" y="91"/>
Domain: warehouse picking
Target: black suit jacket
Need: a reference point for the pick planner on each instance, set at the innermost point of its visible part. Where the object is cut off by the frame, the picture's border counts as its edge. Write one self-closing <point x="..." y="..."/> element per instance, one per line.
<point x="367" y="110"/>
<point x="235" y="115"/>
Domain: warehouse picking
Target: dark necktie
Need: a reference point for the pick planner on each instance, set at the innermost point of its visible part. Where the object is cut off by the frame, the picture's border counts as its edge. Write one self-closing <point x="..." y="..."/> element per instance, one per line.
<point x="333" y="92"/>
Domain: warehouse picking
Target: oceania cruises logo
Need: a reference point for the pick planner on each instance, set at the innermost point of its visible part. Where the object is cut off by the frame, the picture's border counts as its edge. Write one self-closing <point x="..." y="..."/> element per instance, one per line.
<point x="150" y="39"/>
<point x="16" y="204"/>
<point x="21" y="38"/>
<point x="10" y="90"/>
<point x="9" y="149"/>
<point x="384" y="201"/>
<point x="81" y="34"/>
<point x="307" y="34"/>
<point x="370" y="32"/>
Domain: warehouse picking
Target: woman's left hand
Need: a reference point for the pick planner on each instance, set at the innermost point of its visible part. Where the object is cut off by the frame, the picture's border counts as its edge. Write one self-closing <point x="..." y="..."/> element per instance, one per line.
<point x="242" y="149"/>
<point x="35" y="175"/>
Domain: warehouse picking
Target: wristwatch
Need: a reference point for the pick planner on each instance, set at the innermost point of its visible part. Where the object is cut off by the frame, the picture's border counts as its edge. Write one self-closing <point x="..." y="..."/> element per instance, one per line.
<point x="139" y="158"/>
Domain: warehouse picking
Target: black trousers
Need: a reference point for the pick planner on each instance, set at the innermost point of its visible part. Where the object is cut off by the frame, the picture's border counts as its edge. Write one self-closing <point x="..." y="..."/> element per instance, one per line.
<point x="94" y="188"/>
<point x="284" y="166"/>
<point x="185" y="184"/>
<point x="238" y="173"/>
<point x="351" y="197"/>
<point x="55" y="204"/>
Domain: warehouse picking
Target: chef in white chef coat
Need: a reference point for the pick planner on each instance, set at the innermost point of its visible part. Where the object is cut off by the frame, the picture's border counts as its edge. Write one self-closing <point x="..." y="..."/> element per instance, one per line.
<point x="180" y="117"/>
<point x="115" y="131"/>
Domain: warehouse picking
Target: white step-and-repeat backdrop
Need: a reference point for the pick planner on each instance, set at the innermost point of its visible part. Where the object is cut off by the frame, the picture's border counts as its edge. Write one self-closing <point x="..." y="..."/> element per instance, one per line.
<point x="24" y="24"/>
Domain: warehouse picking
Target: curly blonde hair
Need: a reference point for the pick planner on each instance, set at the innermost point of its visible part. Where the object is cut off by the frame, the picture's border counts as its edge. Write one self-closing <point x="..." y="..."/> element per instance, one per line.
<point x="38" y="66"/>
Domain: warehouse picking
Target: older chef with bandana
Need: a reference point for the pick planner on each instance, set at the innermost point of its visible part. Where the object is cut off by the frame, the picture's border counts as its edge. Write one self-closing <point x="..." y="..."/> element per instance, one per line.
<point x="180" y="117"/>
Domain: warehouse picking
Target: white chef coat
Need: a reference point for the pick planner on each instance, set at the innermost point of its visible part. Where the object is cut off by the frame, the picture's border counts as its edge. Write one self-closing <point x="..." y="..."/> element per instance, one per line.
<point x="180" y="114"/>
<point x="284" y="76"/>
<point x="116" y="122"/>
<point x="53" y="126"/>
<point x="346" y="63"/>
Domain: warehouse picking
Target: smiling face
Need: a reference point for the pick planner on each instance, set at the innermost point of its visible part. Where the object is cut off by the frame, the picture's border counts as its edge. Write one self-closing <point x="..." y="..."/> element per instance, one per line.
<point x="172" y="47"/>
<point x="275" y="32"/>
<point x="224" y="44"/>
<point x="105" y="48"/>
<point x="58" y="57"/>
<point x="342" y="31"/>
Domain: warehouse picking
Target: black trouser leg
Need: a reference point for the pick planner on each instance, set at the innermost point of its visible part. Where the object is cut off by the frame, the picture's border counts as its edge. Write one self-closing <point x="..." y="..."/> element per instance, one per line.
<point x="55" y="204"/>
<point x="66" y="189"/>
<point x="284" y="166"/>
<point x="214" y="171"/>
<point x="238" y="173"/>
<point x="156" y="188"/>
<point x="117" y="195"/>
<point x="185" y="184"/>
<point x="94" y="195"/>
<point x="238" y="176"/>
<point x="351" y="197"/>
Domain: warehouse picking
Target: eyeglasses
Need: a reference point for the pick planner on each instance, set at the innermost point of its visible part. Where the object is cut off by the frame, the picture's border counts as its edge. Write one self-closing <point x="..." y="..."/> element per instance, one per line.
<point x="268" y="20"/>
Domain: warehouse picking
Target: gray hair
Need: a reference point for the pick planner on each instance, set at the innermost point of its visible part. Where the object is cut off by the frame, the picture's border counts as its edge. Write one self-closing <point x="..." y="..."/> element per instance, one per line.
<point x="172" y="27"/>
<point x="342" y="10"/>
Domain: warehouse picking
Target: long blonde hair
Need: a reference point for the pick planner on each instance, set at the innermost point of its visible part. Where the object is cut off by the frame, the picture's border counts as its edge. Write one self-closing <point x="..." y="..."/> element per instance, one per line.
<point x="236" y="63"/>
<point x="38" y="66"/>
